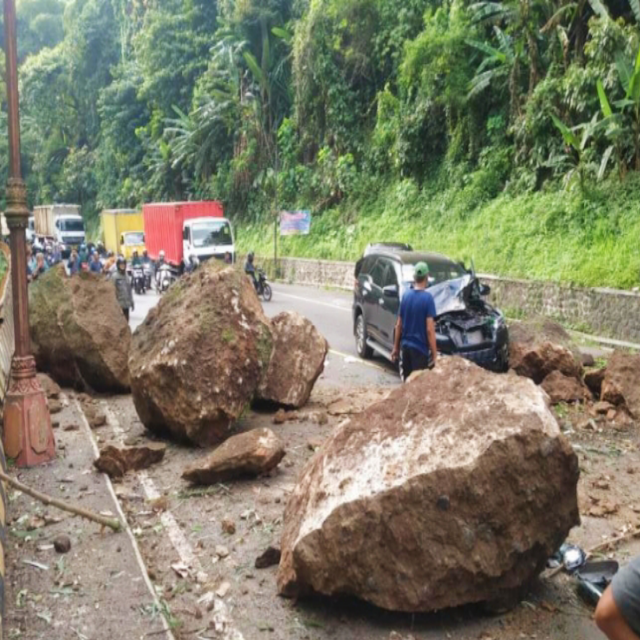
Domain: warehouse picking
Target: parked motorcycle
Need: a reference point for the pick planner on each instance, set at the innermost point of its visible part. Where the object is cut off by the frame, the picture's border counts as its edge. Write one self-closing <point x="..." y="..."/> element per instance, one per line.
<point x="263" y="289"/>
<point x="165" y="277"/>
<point x="137" y="279"/>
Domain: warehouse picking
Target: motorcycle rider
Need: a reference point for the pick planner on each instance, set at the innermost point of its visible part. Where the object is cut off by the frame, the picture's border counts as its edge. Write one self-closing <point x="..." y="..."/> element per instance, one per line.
<point x="192" y="264"/>
<point x="250" y="270"/>
<point x="136" y="261"/>
<point x="145" y="257"/>
<point x="124" y="294"/>
<point x="95" y="266"/>
<point x="159" y="264"/>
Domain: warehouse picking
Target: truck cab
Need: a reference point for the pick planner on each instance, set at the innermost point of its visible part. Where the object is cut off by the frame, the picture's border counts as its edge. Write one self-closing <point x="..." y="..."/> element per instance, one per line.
<point x="131" y="241"/>
<point x="208" y="238"/>
<point x="69" y="229"/>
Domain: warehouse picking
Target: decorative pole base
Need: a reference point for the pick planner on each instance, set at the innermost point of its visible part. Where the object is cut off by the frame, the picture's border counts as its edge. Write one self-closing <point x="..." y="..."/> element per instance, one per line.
<point x="28" y="436"/>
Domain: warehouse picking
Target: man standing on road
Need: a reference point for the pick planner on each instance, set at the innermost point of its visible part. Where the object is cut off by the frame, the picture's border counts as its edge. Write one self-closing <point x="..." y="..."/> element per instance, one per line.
<point x="124" y="295"/>
<point x="415" y="329"/>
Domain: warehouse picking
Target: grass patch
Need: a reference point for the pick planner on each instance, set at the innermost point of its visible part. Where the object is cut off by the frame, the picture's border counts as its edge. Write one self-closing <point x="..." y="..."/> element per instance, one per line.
<point x="588" y="240"/>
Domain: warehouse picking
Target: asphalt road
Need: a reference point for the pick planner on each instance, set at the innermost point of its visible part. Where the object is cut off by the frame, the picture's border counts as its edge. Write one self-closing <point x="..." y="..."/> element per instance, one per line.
<point x="330" y="311"/>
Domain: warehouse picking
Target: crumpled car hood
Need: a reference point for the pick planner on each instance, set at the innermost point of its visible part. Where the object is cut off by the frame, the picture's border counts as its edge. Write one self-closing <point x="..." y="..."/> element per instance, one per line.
<point x="451" y="295"/>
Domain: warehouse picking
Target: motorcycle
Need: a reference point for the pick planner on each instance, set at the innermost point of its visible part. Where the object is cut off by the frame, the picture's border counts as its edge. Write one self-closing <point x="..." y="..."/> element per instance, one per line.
<point x="263" y="288"/>
<point x="148" y="274"/>
<point x="137" y="279"/>
<point x="164" y="278"/>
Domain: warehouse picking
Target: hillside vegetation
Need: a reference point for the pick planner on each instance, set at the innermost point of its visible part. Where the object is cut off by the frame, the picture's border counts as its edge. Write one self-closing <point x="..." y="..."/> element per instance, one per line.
<point x="503" y="131"/>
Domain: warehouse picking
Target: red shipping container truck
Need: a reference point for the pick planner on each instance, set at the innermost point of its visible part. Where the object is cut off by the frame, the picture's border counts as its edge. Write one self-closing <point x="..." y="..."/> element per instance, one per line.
<point x="181" y="229"/>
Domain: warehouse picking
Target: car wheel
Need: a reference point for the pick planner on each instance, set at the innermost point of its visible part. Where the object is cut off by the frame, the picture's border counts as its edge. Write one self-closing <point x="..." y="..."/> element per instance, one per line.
<point x="364" y="351"/>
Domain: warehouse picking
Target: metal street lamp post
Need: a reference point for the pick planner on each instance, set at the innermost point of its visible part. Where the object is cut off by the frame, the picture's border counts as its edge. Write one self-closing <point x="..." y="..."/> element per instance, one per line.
<point x="28" y="437"/>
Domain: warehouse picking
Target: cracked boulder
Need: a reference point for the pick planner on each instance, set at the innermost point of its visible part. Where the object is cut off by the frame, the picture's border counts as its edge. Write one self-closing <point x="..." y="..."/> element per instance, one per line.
<point x="297" y="360"/>
<point x="539" y="346"/>
<point x="621" y="383"/>
<point x="455" y="489"/>
<point x="198" y="358"/>
<point x="79" y="334"/>
<point x="561" y="388"/>
<point x="116" y="461"/>
<point x="249" y="454"/>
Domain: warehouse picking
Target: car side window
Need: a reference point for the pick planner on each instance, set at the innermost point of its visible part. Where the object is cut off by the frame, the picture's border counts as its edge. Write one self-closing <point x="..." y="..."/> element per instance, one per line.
<point x="378" y="273"/>
<point x="390" y="277"/>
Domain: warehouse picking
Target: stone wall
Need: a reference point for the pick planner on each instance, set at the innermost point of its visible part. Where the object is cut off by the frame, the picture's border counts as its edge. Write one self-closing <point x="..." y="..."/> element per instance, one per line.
<point x="604" y="312"/>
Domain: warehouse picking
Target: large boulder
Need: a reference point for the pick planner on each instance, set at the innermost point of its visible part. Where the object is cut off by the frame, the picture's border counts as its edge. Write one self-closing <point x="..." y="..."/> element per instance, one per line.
<point x="539" y="346"/>
<point x="561" y="388"/>
<point x="297" y="360"/>
<point x="248" y="454"/>
<point x="197" y="359"/>
<point x="455" y="489"/>
<point x="79" y="334"/>
<point x="621" y="383"/>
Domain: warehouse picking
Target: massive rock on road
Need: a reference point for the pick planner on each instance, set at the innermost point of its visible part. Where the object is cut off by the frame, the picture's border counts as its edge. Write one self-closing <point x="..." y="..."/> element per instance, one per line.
<point x="539" y="346"/>
<point x="621" y="384"/>
<point x="455" y="489"/>
<point x="79" y="334"/>
<point x="297" y="360"/>
<point x="197" y="359"/>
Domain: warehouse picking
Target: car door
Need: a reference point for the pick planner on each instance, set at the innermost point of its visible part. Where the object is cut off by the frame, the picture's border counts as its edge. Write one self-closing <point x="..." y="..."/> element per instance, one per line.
<point x="373" y="288"/>
<point x="388" y="304"/>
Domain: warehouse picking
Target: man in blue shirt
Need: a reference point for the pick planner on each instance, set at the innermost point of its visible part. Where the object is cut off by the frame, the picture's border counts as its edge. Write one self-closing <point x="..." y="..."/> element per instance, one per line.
<point x="415" y="329"/>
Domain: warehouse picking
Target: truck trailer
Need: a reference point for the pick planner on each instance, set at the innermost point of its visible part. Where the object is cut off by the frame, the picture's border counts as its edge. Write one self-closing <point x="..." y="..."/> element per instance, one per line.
<point x="60" y="222"/>
<point x="123" y="231"/>
<point x="183" y="229"/>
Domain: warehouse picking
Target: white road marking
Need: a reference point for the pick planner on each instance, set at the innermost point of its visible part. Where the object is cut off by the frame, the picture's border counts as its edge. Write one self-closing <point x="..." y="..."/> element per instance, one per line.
<point x="324" y="304"/>
<point x="127" y="527"/>
<point x="366" y="363"/>
<point x="221" y="619"/>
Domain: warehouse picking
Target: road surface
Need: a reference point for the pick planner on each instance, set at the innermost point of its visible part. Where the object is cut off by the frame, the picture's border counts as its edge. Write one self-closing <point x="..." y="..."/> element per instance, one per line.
<point x="330" y="311"/>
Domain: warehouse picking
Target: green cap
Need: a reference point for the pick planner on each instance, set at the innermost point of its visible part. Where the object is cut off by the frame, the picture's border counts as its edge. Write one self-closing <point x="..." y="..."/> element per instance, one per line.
<point x="421" y="270"/>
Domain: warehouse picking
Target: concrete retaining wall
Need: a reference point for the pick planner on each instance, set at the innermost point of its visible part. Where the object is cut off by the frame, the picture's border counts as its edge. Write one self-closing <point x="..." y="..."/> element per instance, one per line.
<point x="604" y="312"/>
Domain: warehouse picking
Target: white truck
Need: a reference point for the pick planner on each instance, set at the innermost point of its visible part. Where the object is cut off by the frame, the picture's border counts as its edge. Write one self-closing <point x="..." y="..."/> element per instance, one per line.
<point x="61" y="223"/>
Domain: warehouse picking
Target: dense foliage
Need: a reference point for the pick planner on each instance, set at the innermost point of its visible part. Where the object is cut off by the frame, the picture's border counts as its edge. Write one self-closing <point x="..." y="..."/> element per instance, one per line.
<point x="506" y="129"/>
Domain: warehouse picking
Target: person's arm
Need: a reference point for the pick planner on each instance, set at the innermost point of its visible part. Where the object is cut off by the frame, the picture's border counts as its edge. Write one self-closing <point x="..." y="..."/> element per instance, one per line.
<point x="397" y="338"/>
<point x="431" y="337"/>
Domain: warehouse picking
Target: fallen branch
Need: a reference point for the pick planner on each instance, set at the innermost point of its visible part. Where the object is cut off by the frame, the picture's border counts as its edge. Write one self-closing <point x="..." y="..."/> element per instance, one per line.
<point x="599" y="547"/>
<point x="112" y="523"/>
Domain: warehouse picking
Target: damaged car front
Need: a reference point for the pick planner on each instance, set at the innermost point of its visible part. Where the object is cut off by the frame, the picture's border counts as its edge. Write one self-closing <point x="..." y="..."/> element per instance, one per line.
<point x="467" y="325"/>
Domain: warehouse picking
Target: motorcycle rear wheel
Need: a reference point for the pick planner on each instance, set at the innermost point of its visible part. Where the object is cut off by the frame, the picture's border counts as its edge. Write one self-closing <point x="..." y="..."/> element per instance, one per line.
<point x="266" y="292"/>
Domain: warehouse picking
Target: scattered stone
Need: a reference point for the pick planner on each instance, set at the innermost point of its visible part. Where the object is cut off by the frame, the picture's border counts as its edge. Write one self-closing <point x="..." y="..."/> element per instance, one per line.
<point x="228" y="526"/>
<point x="296" y="361"/>
<point x="561" y="388"/>
<point x="315" y="443"/>
<point x="55" y="406"/>
<point x="268" y="558"/>
<point x="280" y="417"/>
<point x="50" y="387"/>
<point x="601" y="484"/>
<point x="602" y="407"/>
<point x="115" y="461"/>
<point x="71" y="427"/>
<point x="208" y="343"/>
<point x="611" y="415"/>
<point x="366" y="517"/>
<point x="588" y="360"/>
<point x="62" y="544"/>
<point x="55" y="424"/>
<point x="223" y="589"/>
<point x="95" y="417"/>
<point x="606" y="508"/>
<point x="78" y="332"/>
<point x="159" y="504"/>
<point x="621" y="384"/>
<point x="222" y="552"/>
<point x="252" y="453"/>
<point x="35" y="522"/>
<point x="539" y="346"/>
<point x="593" y="379"/>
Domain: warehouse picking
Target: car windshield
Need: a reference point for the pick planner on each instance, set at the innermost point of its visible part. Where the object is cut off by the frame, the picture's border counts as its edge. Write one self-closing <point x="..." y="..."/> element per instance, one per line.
<point x="71" y="225"/>
<point x="134" y="237"/>
<point x="206" y="234"/>
<point x="438" y="272"/>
